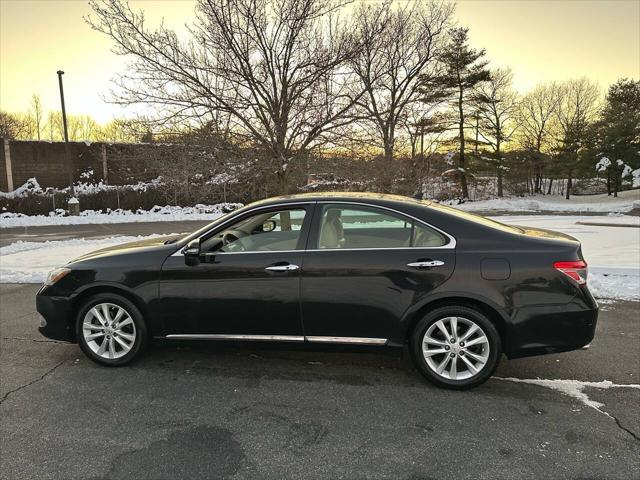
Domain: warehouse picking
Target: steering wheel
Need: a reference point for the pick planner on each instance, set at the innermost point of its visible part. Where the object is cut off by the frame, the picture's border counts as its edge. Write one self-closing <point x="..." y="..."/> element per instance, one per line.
<point x="232" y="237"/>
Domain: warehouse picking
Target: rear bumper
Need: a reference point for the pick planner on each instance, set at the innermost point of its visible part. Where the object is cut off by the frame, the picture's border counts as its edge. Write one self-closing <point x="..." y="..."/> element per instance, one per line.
<point x="56" y="312"/>
<point x="542" y="329"/>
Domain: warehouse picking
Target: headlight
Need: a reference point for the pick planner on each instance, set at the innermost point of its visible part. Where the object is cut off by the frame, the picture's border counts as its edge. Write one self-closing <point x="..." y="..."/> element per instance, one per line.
<point x="56" y="275"/>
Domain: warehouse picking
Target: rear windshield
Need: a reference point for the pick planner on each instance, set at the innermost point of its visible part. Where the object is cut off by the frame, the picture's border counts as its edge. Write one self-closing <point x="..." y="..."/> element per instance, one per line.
<point x="471" y="217"/>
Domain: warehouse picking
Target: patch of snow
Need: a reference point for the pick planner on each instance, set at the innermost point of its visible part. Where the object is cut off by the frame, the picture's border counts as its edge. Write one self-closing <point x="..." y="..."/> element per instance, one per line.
<point x="614" y="284"/>
<point x="603" y="164"/>
<point x="168" y="213"/>
<point x="573" y="388"/>
<point x="30" y="262"/>
<point x="625" y="202"/>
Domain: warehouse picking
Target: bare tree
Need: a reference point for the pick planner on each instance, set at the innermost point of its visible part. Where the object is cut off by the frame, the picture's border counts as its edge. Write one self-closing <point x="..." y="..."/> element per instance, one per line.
<point x="536" y="115"/>
<point x="12" y="126"/>
<point x="37" y="115"/>
<point x="275" y="68"/>
<point x="577" y="110"/>
<point x="498" y="106"/>
<point x="399" y="45"/>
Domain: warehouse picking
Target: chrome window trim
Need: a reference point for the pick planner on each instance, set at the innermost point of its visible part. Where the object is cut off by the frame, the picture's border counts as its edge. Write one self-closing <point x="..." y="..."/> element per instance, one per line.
<point x="279" y="338"/>
<point x="449" y="246"/>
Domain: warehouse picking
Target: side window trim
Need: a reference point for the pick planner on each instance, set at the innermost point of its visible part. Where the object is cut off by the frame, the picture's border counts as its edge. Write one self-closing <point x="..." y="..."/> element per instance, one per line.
<point x="314" y="231"/>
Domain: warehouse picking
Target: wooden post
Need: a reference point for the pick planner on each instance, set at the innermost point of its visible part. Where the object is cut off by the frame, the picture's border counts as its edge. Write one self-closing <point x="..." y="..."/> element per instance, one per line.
<point x="7" y="163"/>
<point x="105" y="170"/>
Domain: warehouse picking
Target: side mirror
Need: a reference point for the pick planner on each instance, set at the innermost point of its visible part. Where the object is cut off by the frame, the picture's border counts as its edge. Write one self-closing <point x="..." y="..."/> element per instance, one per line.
<point x="269" y="226"/>
<point x="191" y="252"/>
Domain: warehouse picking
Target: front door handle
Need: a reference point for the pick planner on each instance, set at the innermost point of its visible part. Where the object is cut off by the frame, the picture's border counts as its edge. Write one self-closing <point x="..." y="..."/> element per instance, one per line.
<point x="426" y="264"/>
<point x="282" y="268"/>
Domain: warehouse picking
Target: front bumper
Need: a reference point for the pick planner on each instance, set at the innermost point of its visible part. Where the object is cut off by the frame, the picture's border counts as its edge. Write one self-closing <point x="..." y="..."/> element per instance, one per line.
<point x="542" y="329"/>
<point x="56" y="312"/>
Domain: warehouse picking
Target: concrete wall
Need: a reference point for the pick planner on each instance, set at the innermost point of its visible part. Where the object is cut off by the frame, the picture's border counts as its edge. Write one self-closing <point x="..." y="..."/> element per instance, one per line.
<point x="46" y="161"/>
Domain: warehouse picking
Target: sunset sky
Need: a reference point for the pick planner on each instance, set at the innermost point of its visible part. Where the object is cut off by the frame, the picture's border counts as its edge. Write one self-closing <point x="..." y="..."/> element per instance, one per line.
<point x="539" y="40"/>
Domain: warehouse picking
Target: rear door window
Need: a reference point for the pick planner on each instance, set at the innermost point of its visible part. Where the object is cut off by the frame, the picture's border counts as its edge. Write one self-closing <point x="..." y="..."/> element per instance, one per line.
<point x="346" y="227"/>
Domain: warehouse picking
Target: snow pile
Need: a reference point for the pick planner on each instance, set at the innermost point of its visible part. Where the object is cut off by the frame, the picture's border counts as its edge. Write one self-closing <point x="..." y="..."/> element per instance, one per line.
<point x="626" y="202"/>
<point x="168" y="213"/>
<point x="31" y="186"/>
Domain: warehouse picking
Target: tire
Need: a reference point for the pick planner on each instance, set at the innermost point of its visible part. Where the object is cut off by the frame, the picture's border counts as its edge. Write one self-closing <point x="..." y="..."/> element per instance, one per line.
<point x="468" y="365"/>
<point x="125" y="336"/>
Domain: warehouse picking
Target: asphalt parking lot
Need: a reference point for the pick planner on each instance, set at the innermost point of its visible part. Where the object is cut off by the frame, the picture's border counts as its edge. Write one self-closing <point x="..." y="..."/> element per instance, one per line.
<point x="256" y="411"/>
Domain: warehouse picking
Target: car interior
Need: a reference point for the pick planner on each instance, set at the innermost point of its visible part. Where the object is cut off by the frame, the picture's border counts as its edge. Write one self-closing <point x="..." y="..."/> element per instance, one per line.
<point x="340" y="228"/>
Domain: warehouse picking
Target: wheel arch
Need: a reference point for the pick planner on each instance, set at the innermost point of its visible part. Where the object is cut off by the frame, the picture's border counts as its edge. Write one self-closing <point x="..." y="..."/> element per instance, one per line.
<point x="499" y="319"/>
<point x="91" y="290"/>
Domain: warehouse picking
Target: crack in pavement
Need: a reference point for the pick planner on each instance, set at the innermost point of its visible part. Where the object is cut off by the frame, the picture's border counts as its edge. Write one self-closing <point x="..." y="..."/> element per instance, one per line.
<point x="575" y="389"/>
<point x="42" y="377"/>
<point x="637" y="437"/>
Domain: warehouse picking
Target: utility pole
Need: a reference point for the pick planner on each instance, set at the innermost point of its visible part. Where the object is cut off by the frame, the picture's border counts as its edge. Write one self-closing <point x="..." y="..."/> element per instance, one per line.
<point x="74" y="208"/>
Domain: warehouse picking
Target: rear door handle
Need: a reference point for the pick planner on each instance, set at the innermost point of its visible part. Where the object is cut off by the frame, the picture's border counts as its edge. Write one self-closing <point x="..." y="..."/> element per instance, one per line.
<point x="282" y="268"/>
<point x="426" y="264"/>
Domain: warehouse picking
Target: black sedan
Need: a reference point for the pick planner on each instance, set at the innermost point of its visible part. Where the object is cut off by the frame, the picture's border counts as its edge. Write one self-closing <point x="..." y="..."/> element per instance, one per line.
<point x="362" y="269"/>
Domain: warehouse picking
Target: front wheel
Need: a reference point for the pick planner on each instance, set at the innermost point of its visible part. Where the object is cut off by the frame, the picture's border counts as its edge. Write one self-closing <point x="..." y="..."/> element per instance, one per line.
<point x="110" y="329"/>
<point x="456" y="347"/>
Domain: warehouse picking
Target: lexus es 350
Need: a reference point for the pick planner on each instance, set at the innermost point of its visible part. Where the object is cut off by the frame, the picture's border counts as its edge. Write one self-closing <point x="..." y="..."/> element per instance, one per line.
<point x="363" y="269"/>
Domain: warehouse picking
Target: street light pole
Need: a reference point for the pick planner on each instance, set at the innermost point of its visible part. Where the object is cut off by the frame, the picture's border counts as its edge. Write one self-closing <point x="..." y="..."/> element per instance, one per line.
<point x="66" y="147"/>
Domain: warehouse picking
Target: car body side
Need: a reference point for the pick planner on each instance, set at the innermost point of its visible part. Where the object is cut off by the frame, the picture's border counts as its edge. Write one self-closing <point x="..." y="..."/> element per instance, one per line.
<point x="506" y="274"/>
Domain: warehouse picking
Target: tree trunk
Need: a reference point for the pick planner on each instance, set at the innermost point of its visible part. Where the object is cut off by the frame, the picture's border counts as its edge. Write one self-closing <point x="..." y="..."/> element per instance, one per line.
<point x="500" y="173"/>
<point x="283" y="182"/>
<point x="461" y="159"/>
<point x="568" y="192"/>
<point x="608" y="184"/>
<point x="550" y="184"/>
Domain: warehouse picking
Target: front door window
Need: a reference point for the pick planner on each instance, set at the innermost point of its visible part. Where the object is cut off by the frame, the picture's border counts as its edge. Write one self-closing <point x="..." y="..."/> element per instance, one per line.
<point x="270" y="231"/>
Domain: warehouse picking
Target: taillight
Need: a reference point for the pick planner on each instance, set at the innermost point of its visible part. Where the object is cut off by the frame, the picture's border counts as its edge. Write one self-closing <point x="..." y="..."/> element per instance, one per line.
<point x="576" y="271"/>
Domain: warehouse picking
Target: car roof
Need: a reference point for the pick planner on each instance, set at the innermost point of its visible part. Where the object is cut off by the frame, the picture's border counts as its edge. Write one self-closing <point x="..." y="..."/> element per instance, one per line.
<point x="350" y="196"/>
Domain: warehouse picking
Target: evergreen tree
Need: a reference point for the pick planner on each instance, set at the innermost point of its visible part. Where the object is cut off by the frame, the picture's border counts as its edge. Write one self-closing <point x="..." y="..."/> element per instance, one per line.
<point x="617" y="132"/>
<point x="464" y="70"/>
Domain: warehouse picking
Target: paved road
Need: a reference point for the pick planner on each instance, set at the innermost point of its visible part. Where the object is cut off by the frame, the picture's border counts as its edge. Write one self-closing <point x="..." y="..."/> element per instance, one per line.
<point x="105" y="230"/>
<point x="255" y="411"/>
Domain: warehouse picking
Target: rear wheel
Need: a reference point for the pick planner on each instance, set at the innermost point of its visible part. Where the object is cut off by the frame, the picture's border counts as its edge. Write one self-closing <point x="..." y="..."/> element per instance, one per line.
<point x="110" y="329"/>
<point x="456" y="347"/>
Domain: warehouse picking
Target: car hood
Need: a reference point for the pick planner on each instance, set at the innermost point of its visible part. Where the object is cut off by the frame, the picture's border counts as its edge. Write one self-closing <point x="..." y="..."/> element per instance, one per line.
<point x="161" y="242"/>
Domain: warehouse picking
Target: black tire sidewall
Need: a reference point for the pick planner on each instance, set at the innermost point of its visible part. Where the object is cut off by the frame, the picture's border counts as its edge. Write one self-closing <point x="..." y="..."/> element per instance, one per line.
<point x="136" y="316"/>
<point x="495" y="346"/>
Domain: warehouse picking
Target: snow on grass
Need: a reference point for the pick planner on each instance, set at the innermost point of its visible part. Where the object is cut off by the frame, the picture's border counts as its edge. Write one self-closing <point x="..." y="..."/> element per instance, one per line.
<point x="29" y="262"/>
<point x="624" y="203"/>
<point x="169" y="213"/>
<point x="574" y="389"/>
<point x="616" y="285"/>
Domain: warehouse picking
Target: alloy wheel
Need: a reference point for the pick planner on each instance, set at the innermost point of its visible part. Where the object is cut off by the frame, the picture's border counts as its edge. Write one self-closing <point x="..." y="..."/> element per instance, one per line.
<point x="455" y="348"/>
<point x="109" y="330"/>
